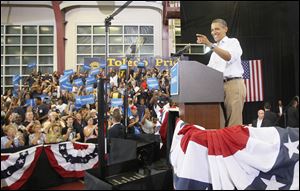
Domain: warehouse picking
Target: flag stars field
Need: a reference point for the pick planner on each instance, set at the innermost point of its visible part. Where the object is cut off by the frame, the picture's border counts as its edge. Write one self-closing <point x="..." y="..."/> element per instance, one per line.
<point x="272" y="184"/>
<point x="292" y="147"/>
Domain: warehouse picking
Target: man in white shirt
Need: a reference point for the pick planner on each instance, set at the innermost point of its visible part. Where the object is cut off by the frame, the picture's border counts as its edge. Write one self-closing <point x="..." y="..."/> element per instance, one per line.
<point x="61" y="106"/>
<point x="280" y="108"/>
<point x="261" y="121"/>
<point x="226" y="58"/>
<point x="114" y="79"/>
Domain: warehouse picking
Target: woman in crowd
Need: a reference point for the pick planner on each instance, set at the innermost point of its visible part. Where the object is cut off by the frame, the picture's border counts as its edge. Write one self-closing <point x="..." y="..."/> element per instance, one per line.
<point x="54" y="133"/>
<point x="29" y="118"/>
<point x="147" y="124"/>
<point x="53" y="118"/>
<point x="89" y="131"/>
<point x="37" y="137"/>
<point x="7" y="95"/>
<point x="12" y="139"/>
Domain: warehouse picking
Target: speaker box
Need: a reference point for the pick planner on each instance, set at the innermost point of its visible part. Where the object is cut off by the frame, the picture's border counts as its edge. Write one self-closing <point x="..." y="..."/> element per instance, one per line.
<point x="148" y="148"/>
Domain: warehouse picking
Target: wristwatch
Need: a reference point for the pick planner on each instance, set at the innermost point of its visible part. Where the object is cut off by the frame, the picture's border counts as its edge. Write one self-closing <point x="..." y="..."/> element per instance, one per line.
<point x="213" y="46"/>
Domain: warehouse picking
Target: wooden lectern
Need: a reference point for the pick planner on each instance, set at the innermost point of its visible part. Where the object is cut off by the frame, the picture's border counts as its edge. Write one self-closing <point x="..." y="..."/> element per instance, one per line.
<point x="198" y="90"/>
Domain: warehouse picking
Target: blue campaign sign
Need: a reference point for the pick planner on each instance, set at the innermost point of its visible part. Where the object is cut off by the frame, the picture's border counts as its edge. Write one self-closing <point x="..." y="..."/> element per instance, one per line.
<point x="94" y="71"/>
<point x="16" y="79"/>
<point x="116" y="102"/>
<point x="90" y="80"/>
<point x="77" y="107"/>
<point x="31" y="65"/>
<point x="86" y="67"/>
<point x="152" y="83"/>
<point x="88" y="99"/>
<point x="123" y="67"/>
<point x="89" y="88"/>
<point x="16" y="87"/>
<point x="68" y="72"/>
<point x="66" y="86"/>
<point x="78" y="82"/>
<point x="77" y="100"/>
<point x="174" y="80"/>
<point x="64" y="78"/>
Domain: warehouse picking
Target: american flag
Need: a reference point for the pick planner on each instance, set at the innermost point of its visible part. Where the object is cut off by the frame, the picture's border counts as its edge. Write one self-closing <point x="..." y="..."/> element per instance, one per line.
<point x="254" y="80"/>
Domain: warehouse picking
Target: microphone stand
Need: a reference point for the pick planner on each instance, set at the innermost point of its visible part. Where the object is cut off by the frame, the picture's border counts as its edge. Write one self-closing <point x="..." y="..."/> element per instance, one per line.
<point x="102" y="107"/>
<point x="179" y="54"/>
<point x="107" y="23"/>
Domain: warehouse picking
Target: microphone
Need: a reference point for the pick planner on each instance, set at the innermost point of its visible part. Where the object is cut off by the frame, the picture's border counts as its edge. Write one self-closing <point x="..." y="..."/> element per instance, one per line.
<point x="180" y="52"/>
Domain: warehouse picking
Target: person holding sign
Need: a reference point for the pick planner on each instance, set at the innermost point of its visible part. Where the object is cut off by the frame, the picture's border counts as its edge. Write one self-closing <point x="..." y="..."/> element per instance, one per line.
<point x="226" y="58"/>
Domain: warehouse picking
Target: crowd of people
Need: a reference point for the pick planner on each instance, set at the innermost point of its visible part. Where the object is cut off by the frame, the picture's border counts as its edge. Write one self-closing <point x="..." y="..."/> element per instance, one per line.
<point x="43" y="112"/>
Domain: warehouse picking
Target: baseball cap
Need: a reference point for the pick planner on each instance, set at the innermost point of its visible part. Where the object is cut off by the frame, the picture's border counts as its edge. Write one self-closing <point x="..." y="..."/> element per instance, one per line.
<point x="133" y="107"/>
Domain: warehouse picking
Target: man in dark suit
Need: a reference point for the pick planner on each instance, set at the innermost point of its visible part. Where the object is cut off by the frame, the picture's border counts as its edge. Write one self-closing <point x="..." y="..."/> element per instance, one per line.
<point x="279" y="110"/>
<point x="269" y="115"/>
<point x="116" y="129"/>
<point x="261" y="121"/>
<point x="293" y="114"/>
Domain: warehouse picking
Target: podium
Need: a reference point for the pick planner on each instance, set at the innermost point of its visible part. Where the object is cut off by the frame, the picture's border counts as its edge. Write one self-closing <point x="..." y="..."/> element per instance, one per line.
<point x="198" y="90"/>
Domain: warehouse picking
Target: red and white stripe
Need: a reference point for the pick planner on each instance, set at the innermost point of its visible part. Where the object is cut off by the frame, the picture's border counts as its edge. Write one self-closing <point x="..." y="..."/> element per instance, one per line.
<point x="254" y="85"/>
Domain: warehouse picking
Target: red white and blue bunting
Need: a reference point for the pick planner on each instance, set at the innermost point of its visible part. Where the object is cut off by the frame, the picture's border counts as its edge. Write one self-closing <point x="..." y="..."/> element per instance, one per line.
<point x="72" y="159"/>
<point x="236" y="157"/>
<point x="16" y="168"/>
